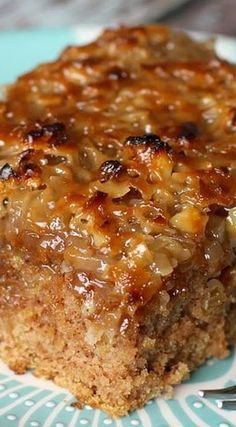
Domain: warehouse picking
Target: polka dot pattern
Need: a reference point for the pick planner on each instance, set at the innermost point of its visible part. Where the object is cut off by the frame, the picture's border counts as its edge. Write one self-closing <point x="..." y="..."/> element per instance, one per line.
<point x="198" y="404"/>
<point x="69" y="409"/>
<point x="84" y="421"/>
<point x="11" y="417"/>
<point x="29" y="403"/>
<point x="13" y="395"/>
<point x="107" y="421"/>
<point x="50" y="404"/>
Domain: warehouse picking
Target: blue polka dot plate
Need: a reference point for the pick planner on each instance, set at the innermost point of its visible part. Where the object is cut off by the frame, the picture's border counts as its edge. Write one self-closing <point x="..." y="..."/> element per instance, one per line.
<point x="26" y="401"/>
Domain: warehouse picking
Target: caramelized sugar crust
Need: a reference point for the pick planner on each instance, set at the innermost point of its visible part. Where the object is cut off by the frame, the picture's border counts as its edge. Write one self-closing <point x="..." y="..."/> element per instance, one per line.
<point x="117" y="175"/>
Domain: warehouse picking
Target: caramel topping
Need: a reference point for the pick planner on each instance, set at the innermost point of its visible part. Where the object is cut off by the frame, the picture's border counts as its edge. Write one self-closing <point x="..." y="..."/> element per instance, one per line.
<point x="113" y="157"/>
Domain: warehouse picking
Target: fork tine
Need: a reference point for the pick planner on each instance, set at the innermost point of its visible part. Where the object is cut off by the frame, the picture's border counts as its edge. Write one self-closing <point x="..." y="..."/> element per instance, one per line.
<point x="227" y="404"/>
<point x="221" y="392"/>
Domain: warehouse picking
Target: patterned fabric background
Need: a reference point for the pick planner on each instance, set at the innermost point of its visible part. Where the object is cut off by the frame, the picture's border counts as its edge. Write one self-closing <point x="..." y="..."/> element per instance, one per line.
<point x="24" y="13"/>
<point x="199" y="15"/>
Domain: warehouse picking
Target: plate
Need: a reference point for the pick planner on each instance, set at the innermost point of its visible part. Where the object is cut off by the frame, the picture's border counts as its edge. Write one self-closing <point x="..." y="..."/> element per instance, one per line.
<point x="26" y="401"/>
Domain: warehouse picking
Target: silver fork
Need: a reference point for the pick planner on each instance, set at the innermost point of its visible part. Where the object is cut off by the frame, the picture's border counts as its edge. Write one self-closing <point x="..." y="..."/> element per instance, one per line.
<point x="226" y="397"/>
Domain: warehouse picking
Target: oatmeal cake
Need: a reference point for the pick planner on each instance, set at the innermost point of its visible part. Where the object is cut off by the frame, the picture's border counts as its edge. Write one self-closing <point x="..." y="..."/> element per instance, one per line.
<point x="118" y="217"/>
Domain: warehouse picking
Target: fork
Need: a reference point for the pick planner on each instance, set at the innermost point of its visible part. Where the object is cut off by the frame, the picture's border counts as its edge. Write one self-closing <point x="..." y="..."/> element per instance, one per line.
<point x="226" y="397"/>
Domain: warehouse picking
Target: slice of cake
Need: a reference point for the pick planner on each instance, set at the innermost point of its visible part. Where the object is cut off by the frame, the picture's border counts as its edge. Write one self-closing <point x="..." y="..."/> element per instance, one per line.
<point x="118" y="217"/>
